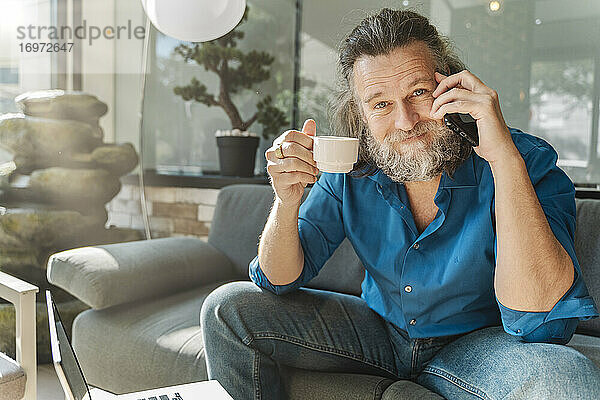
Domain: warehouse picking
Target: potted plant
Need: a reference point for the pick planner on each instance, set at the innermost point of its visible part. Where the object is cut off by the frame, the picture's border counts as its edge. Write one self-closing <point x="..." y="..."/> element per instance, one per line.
<point x="236" y="70"/>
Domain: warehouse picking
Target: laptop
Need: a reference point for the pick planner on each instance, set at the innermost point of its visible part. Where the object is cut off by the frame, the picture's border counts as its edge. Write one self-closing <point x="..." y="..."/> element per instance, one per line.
<point x="75" y="386"/>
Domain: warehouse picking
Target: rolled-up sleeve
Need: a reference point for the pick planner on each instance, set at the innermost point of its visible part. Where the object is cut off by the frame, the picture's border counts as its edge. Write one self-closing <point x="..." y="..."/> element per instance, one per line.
<point x="556" y="194"/>
<point x="320" y="229"/>
<point x="554" y="326"/>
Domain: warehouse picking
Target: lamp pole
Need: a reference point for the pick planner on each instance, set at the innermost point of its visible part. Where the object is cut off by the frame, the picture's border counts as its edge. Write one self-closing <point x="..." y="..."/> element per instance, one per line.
<point x="144" y="70"/>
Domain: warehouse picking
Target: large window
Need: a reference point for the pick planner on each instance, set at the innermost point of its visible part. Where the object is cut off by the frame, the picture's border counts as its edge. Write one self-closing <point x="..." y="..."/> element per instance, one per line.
<point x="19" y="70"/>
<point x="542" y="56"/>
<point x="561" y="96"/>
<point x="180" y="135"/>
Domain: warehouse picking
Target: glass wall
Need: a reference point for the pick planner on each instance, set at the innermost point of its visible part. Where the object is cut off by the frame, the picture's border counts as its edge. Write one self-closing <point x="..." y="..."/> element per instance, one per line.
<point x="541" y="56"/>
<point x="179" y="134"/>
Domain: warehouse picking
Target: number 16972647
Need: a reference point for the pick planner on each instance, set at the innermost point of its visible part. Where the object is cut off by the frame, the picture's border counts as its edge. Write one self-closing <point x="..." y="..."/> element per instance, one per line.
<point x="43" y="47"/>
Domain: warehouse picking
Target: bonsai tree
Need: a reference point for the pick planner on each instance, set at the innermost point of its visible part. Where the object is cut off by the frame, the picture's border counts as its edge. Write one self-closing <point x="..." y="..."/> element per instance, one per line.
<point x="247" y="70"/>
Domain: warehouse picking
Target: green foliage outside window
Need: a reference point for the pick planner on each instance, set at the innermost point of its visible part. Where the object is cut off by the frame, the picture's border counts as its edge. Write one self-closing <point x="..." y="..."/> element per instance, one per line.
<point x="237" y="70"/>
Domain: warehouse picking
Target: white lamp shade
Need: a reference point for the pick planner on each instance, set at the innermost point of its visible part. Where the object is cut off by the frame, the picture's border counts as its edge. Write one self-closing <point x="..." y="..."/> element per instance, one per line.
<point x="195" y="20"/>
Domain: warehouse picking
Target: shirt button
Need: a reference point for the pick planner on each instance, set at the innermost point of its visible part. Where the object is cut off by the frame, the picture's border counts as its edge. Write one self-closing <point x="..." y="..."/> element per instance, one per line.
<point x="407" y="289"/>
<point x="416" y="246"/>
<point x="413" y="322"/>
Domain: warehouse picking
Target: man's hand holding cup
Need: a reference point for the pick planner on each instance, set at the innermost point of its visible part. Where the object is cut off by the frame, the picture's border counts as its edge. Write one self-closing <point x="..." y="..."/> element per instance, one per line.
<point x="296" y="158"/>
<point x="290" y="163"/>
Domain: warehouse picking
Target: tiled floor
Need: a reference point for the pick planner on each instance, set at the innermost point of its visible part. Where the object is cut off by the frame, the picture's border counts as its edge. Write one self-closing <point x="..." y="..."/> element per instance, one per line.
<point x="48" y="386"/>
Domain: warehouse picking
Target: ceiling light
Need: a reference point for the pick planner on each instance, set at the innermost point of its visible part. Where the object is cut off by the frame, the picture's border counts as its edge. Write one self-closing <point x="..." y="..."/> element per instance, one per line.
<point x="494" y="5"/>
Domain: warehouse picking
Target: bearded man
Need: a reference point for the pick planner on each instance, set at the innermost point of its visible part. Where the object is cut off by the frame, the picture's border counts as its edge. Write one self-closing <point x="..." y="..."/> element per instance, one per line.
<point x="471" y="284"/>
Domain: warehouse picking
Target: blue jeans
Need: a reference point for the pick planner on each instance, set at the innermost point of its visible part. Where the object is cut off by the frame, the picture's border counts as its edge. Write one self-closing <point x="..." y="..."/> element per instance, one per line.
<point x="248" y="332"/>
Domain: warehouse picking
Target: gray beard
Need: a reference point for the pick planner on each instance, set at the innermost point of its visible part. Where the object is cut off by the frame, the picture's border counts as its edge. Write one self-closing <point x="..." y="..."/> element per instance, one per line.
<point x="421" y="160"/>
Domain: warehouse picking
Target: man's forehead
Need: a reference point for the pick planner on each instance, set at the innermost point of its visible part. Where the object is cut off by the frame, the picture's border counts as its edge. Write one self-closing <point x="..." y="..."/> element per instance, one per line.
<point x="407" y="66"/>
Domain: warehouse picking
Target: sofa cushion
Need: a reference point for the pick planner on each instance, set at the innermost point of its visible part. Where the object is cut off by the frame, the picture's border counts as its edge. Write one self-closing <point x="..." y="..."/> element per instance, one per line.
<point x="343" y="272"/>
<point x="12" y="379"/>
<point x="143" y="345"/>
<point x="587" y="248"/>
<point x="239" y="219"/>
<point x="240" y="216"/>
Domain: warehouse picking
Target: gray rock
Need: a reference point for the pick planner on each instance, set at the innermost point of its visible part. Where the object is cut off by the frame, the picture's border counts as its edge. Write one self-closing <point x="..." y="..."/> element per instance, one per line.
<point x="24" y="229"/>
<point x="96" y="214"/>
<point x="6" y="170"/>
<point x="13" y="248"/>
<point x="120" y="235"/>
<point x="26" y="165"/>
<point x="117" y="159"/>
<point x="15" y="197"/>
<point x="93" y="186"/>
<point x="60" y="104"/>
<point x="21" y="262"/>
<point x="44" y="141"/>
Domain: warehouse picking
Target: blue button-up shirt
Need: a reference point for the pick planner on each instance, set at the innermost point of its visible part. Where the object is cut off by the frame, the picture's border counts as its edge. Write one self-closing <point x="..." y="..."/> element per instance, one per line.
<point x="441" y="281"/>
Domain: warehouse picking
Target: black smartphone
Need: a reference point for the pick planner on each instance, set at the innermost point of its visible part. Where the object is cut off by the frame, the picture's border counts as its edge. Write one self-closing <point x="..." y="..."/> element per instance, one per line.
<point x="464" y="125"/>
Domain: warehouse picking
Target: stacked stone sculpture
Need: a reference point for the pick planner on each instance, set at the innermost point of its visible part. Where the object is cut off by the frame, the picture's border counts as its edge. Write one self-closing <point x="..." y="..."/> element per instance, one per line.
<point x="53" y="194"/>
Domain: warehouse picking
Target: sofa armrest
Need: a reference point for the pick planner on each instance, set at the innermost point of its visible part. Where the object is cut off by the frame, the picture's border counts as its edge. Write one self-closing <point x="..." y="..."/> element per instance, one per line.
<point x="108" y="275"/>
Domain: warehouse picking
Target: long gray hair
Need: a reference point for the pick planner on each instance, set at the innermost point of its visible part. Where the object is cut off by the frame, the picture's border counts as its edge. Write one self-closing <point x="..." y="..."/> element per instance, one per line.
<point x="379" y="34"/>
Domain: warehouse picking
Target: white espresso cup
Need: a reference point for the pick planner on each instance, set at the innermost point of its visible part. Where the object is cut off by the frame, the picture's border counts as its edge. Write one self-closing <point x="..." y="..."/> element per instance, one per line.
<point x="335" y="153"/>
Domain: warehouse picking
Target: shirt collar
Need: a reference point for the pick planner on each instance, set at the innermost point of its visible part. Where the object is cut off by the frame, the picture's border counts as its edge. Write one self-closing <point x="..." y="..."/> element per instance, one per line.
<point x="463" y="177"/>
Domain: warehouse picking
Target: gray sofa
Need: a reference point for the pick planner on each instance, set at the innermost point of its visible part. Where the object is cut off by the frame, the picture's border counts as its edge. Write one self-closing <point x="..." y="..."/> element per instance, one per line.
<point x="142" y="330"/>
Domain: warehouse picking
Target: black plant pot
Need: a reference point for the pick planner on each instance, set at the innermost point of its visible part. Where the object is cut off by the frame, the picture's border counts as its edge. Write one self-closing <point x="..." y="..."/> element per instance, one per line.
<point x="237" y="155"/>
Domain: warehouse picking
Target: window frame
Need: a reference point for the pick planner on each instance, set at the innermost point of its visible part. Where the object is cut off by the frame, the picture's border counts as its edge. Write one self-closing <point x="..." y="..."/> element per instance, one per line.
<point x="66" y="66"/>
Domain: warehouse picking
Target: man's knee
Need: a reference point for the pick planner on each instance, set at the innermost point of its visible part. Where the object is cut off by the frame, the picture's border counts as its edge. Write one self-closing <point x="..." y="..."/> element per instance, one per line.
<point x="561" y="372"/>
<point x="504" y="367"/>
<point x="229" y="302"/>
<point x="546" y="371"/>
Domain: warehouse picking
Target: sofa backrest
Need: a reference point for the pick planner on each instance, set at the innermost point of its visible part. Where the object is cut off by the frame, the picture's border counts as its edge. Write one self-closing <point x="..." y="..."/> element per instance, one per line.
<point x="240" y="216"/>
<point x="587" y="248"/>
<point x="242" y="211"/>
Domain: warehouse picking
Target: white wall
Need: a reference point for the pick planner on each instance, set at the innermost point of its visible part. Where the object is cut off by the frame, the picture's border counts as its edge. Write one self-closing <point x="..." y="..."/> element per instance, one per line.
<point x="128" y="64"/>
<point x="98" y="61"/>
<point x="112" y="66"/>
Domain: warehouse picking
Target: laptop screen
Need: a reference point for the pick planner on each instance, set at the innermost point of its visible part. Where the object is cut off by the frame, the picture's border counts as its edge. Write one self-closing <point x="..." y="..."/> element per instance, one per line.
<point x="68" y="361"/>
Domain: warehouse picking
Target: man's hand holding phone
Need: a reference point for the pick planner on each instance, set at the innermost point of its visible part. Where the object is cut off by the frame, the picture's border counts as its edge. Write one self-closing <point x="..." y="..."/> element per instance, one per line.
<point x="464" y="93"/>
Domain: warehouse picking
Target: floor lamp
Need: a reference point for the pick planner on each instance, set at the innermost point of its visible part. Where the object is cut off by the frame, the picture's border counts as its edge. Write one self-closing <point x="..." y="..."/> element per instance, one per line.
<point x="190" y="21"/>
